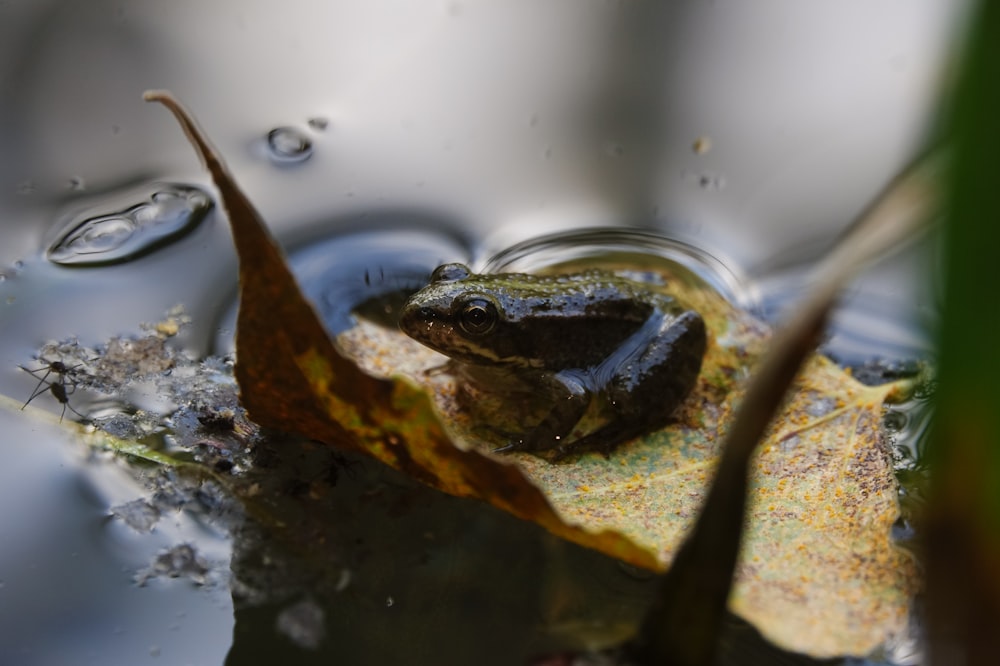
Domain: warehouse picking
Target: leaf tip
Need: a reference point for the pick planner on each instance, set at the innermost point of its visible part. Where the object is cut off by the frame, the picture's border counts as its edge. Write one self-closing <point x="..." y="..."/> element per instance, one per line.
<point x="208" y="154"/>
<point x="157" y="96"/>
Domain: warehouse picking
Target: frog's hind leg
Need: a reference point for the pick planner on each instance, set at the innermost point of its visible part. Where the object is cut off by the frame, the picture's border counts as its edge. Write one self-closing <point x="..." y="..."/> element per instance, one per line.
<point x="659" y="379"/>
<point x="647" y="391"/>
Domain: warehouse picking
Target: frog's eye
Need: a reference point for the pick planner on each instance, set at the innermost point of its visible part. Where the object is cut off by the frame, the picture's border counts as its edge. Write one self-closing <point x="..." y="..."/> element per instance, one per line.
<point x="450" y="273"/>
<point x="478" y="317"/>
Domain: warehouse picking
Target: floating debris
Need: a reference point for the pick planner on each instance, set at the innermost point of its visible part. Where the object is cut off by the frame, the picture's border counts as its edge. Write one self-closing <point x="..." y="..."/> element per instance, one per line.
<point x="138" y="514"/>
<point x="181" y="561"/>
<point x="701" y="145"/>
<point x="129" y="359"/>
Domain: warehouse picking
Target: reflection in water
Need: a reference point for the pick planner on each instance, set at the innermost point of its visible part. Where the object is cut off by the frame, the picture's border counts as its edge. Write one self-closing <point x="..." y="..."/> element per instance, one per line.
<point x="640" y="246"/>
<point x="96" y="238"/>
<point x="368" y="273"/>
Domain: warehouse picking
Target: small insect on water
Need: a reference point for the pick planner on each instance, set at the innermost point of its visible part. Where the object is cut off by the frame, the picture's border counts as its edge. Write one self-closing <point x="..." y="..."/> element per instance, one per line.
<point x="63" y="386"/>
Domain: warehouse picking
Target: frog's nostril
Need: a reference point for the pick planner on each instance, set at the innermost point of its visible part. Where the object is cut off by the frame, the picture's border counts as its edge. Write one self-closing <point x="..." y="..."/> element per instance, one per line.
<point x="412" y="317"/>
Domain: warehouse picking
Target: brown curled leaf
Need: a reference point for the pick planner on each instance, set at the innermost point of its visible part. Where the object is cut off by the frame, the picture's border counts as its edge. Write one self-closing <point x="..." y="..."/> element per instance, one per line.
<point x="293" y="378"/>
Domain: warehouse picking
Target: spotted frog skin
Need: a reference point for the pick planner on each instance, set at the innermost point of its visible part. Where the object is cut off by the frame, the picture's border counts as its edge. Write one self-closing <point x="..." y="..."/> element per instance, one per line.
<point x="580" y="337"/>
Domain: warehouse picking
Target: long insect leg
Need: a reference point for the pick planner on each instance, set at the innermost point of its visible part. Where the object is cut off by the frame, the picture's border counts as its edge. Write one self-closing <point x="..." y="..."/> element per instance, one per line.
<point x="61" y="387"/>
<point x="41" y="380"/>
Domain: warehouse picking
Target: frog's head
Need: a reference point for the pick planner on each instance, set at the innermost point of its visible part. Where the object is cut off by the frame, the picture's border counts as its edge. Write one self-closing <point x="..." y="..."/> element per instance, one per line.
<point x="458" y="315"/>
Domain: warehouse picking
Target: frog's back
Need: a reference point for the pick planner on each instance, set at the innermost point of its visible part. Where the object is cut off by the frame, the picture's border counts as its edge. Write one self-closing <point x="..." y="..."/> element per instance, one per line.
<point x="529" y="321"/>
<point x="564" y="321"/>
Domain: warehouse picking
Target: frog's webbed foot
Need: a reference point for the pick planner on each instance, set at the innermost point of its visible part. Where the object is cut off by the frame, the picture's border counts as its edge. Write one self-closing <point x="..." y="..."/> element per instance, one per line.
<point x="510" y="447"/>
<point x="517" y="444"/>
<point x="512" y="441"/>
<point x="604" y="440"/>
<point x="529" y="444"/>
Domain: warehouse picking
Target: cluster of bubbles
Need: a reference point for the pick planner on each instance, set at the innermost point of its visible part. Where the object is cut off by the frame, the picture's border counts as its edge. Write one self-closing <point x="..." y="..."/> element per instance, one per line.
<point x="152" y="218"/>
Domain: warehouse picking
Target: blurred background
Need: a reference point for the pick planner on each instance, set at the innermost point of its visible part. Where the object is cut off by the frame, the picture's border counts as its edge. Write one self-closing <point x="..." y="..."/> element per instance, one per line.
<point x="754" y="131"/>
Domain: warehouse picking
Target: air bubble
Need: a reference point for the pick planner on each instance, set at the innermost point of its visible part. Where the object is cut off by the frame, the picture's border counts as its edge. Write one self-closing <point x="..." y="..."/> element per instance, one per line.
<point x="96" y="239"/>
<point x="288" y="145"/>
<point x="894" y="421"/>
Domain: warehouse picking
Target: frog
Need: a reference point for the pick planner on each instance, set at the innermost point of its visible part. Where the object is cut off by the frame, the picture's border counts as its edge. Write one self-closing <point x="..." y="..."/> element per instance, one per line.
<point x="576" y="338"/>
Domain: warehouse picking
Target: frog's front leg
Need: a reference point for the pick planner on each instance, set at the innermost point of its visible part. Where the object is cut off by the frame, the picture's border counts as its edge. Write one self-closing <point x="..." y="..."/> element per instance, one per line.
<point x="572" y="397"/>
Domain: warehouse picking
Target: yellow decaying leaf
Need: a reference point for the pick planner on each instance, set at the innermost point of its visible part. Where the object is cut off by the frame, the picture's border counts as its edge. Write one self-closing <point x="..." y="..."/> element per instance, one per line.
<point x="818" y="572"/>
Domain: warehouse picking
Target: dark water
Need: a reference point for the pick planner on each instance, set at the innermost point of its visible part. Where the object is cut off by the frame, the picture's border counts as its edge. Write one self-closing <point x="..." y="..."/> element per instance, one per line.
<point x="692" y="122"/>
